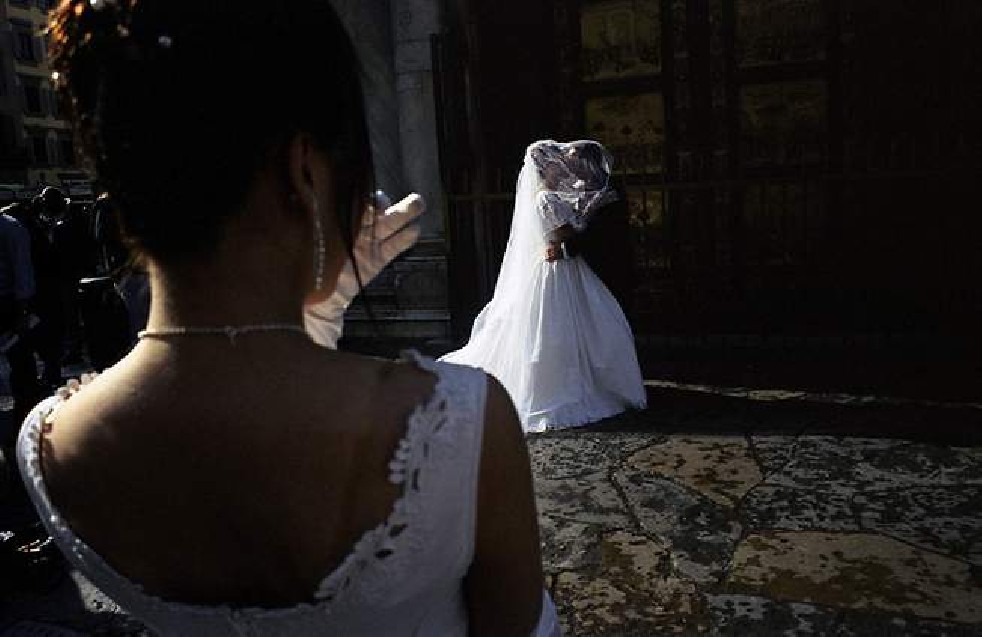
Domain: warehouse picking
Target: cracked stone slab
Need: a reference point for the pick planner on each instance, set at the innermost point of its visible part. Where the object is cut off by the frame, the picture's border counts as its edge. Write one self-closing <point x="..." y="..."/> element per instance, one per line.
<point x="854" y="624"/>
<point x="863" y="464"/>
<point x="699" y="533"/>
<point x="749" y="615"/>
<point x="826" y="463"/>
<point x="943" y="519"/>
<point x="719" y="467"/>
<point x="590" y="499"/>
<point x="774" y="452"/>
<point x="932" y="464"/>
<point x="783" y="508"/>
<point x="860" y="571"/>
<point x="621" y="445"/>
<point x="567" y="545"/>
<point x="556" y="458"/>
<point x="762" y="617"/>
<point x="630" y="592"/>
<point x="972" y="454"/>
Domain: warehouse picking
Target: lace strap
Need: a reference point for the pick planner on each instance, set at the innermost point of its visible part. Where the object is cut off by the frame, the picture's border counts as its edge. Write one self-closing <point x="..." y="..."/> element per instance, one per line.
<point x="437" y="457"/>
<point x="454" y="467"/>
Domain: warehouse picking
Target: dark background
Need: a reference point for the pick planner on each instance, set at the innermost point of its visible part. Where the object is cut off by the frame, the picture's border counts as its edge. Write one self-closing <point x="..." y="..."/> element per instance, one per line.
<point x="801" y="173"/>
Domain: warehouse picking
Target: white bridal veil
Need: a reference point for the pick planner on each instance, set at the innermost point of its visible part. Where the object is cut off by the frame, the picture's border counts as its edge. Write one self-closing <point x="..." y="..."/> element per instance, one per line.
<point x="559" y="183"/>
<point x="552" y="333"/>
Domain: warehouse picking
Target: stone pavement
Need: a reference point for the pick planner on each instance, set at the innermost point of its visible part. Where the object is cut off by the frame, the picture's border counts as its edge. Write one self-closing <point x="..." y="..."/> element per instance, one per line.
<point x="744" y="531"/>
<point x="730" y="512"/>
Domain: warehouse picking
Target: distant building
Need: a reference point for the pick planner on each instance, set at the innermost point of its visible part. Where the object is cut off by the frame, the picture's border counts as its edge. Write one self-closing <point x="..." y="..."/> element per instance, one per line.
<point x="37" y="147"/>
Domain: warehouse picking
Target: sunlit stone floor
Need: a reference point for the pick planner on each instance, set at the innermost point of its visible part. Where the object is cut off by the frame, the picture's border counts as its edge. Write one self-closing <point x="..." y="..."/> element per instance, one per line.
<point x="727" y="512"/>
<point x="741" y="533"/>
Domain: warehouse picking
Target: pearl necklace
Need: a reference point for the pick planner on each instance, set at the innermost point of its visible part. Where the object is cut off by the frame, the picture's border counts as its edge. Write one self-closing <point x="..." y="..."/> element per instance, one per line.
<point x="229" y="331"/>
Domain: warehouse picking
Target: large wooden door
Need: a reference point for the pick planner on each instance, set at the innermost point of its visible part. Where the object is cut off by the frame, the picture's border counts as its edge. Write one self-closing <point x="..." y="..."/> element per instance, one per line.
<point x="792" y="166"/>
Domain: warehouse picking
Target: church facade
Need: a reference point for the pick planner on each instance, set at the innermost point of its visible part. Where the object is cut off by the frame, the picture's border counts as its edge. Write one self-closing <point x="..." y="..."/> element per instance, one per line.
<point x="792" y="167"/>
<point x="410" y="298"/>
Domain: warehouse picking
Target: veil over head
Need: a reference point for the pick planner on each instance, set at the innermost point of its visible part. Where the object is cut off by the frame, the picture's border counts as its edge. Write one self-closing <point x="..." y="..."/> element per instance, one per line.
<point x="560" y="183"/>
<point x="553" y="334"/>
<point x="574" y="179"/>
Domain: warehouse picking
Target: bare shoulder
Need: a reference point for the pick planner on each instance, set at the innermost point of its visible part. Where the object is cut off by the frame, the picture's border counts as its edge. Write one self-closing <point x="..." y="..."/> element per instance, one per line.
<point x="387" y="389"/>
<point x="312" y="430"/>
<point x="86" y="420"/>
<point x="505" y="580"/>
<point x="82" y="436"/>
<point x="504" y="442"/>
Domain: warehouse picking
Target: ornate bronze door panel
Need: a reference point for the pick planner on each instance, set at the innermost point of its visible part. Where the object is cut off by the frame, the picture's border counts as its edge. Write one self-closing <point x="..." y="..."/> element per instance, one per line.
<point x="766" y="144"/>
<point x="792" y="166"/>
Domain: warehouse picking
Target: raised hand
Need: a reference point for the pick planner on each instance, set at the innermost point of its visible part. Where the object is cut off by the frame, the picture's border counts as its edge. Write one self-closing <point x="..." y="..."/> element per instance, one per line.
<point x="380" y="240"/>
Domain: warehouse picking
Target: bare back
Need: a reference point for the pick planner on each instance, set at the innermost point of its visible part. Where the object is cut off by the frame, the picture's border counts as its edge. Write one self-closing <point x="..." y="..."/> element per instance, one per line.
<point x="273" y="448"/>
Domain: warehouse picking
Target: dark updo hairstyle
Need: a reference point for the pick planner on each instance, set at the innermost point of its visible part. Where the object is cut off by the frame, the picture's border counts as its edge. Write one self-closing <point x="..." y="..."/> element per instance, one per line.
<point x="178" y="104"/>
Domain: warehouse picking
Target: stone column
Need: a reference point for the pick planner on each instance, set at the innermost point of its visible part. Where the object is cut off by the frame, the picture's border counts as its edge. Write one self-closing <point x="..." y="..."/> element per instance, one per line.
<point x="414" y="22"/>
<point x="393" y="40"/>
<point x="370" y="26"/>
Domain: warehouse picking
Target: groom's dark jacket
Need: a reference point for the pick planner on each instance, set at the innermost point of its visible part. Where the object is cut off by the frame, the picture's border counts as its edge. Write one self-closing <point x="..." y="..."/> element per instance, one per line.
<point x="606" y="246"/>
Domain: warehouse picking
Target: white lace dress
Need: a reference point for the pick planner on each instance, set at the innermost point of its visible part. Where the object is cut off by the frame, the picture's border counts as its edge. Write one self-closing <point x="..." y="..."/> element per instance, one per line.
<point x="404" y="577"/>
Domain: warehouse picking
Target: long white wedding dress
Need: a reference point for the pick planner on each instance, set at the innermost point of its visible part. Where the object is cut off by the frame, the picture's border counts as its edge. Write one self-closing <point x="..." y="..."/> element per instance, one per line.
<point x="553" y="334"/>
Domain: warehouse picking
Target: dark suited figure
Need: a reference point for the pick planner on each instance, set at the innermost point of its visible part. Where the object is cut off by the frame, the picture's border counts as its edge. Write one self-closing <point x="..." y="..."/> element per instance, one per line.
<point x="16" y="291"/>
<point x="606" y="247"/>
<point x="606" y="242"/>
<point x="114" y="303"/>
<point x="57" y="260"/>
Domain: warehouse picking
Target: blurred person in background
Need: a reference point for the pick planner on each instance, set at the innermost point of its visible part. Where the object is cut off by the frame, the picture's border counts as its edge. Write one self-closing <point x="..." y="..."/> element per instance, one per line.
<point x="16" y="292"/>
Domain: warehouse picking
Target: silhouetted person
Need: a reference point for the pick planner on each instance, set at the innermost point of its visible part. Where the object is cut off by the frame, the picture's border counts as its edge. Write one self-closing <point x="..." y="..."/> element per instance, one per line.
<point x="607" y="246"/>
<point x="115" y="302"/>
<point x="111" y="254"/>
<point x="16" y="292"/>
<point x="55" y="267"/>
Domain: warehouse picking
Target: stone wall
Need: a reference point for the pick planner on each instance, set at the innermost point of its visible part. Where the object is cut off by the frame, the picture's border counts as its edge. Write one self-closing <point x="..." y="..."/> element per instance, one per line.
<point x="414" y="21"/>
<point x="409" y="298"/>
<point x="370" y="26"/>
<point x="393" y="41"/>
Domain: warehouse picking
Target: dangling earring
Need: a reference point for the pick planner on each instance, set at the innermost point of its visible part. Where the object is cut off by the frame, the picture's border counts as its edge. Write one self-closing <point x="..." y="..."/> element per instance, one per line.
<point x="319" y="250"/>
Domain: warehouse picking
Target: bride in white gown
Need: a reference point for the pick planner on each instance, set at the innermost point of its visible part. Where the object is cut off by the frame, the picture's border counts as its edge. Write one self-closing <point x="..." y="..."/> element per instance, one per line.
<point x="553" y="334"/>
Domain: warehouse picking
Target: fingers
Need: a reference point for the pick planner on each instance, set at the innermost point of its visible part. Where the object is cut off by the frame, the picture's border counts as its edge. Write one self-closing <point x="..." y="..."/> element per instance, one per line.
<point x="397" y="216"/>
<point x="382" y="238"/>
<point x="372" y="256"/>
<point x="412" y="205"/>
<point x="391" y="234"/>
<point x="398" y="242"/>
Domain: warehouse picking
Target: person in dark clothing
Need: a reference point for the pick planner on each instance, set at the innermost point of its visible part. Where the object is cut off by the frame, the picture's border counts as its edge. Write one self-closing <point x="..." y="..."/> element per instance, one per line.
<point x="74" y="247"/>
<point x="111" y="254"/>
<point x="607" y="246"/>
<point x="115" y="301"/>
<point x="54" y="271"/>
<point x="16" y="291"/>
